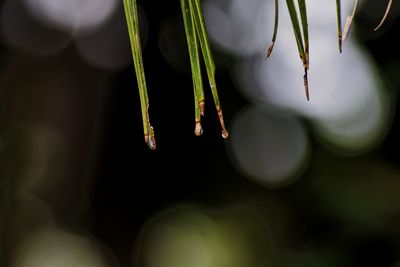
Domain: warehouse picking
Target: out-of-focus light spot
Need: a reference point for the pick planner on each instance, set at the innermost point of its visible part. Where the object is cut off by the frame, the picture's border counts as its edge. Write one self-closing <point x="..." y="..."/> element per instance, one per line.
<point x="238" y="26"/>
<point x="44" y="150"/>
<point x="361" y="193"/>
<point x="268" y="147"/>
<point x="76" y="16"/>
<point x="187" y="236"/>
<point x="53" y="247"/>
<point x="348" y="105"/>
<point x="108" y="47"/>
<point x="340" y="85"/>
<point x="362" y="130"/>
<point x="178" y="240"/>
<point x="21" y="32"/>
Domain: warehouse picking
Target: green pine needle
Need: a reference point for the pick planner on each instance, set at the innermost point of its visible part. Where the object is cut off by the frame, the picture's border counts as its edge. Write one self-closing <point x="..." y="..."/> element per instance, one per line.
<point x="304" y="23"/>
<point x="134" y="35"/>
<point x="339" y="23"/>
<point x="196" y="35"/>
<point x="192" y="41"/>
<point x="299" y="37"/>
<point x="275" y="34"/>
<point x="197" y="17"/>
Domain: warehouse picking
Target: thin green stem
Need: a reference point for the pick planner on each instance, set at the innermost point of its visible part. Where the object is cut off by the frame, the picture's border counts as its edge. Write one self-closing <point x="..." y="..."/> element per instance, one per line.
<point x="296" y="28"/>
<point x="134" y="36"/>
<point x="304" y="22"/>
<point x="339" y="23"/>
<point x="195" y="6"/>
<point x="195" y="64"/>
<point x="299" y="39"/>
<point x="276" y="25"/>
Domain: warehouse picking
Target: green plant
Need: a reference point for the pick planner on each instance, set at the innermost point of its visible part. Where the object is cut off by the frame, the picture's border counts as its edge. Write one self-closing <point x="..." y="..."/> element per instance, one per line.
<point x="196" y="34"/>
<point x="134" y="36"/>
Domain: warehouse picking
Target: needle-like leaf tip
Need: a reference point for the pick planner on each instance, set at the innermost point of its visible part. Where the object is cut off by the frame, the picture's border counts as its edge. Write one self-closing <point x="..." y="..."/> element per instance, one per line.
<point x="385" y="15"/>
<point x="225" y="134"/>
<point x="307" y="91"/>
<point x="269" y="50"/>
<point x="271" y="47"/>
<point x="198" y="129"/>
<point x="150" y="141"/>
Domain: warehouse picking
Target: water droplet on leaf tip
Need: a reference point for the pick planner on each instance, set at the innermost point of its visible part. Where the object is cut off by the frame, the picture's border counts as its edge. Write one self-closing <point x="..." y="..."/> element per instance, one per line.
<point x="198" y="130"/>
<point x="225" y="134"/>
<point x="152" y="143"/>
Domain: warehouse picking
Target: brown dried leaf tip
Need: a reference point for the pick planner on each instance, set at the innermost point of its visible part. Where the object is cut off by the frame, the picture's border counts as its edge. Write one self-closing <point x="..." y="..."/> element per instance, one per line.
<point x="225" y="133"/>
<point x="198" y="129"/>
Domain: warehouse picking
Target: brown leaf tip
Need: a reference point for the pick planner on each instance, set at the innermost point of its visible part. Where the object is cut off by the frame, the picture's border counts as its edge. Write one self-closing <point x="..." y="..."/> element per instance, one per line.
<point x="150" y="141"/>
<point x="202" y="108"/>
<point x="225" y="134"/>
<point x="307" y="91"/>
<point x="198" y="129"/>
<point x="269" y="50"/>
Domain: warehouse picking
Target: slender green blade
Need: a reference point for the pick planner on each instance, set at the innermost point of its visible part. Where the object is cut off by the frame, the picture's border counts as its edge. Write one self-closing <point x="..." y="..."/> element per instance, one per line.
<point x="198" y="18"/>
<point x="296" y="28"/>
<point x="304" y="22"/>
<point x="276" y="25"/>
<point x="299" y="40"/>
<point x="134" y="36"/>
<point x="195" y="5"/>
<point x="389" y="6"/>
<point x="339" y="23"/>
<point x="195" y="64"/>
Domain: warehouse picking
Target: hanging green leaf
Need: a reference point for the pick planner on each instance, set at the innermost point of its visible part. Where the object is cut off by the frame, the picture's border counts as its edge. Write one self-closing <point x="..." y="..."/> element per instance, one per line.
<point x="192" y="41"/>
<point x="304" y="22"/>
<point x="271" y="47"/>
<point x="389" y="6"/>
<point x="298" y="36"/>
<point x="200" y="26"/>
<point x="134" y="35"/>
<point x="196" y="35"/>
<point x="339" y="23"/>
<point x="296" y="28"/>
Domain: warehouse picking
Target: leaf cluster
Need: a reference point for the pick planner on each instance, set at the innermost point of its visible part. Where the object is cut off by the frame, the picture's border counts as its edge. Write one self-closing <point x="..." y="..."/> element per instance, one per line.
<point x="199" y="48"/>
